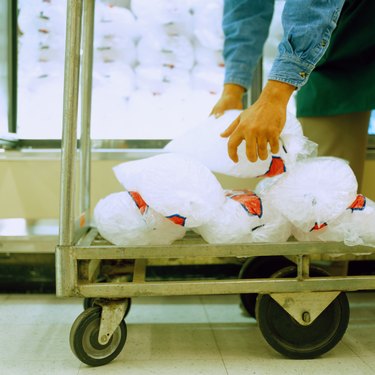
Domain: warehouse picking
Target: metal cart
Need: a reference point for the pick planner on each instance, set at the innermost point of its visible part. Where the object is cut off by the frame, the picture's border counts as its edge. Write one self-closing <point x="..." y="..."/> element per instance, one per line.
<point x="301" y="311"/>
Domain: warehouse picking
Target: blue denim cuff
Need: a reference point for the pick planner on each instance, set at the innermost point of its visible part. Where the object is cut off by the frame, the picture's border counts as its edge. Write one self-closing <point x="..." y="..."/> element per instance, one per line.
<point x="238" y="73"/>
<point x="290" y="69"/>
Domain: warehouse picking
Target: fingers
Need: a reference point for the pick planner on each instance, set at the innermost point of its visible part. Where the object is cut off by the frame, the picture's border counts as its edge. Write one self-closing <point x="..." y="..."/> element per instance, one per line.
<point x="216" y="112"/>
<point x="231" y="128"/>
<point x="274" y="143"/>
<point x="262" y="148"/>
<point x="233" y="143"/>
<point x="251" y="148"/>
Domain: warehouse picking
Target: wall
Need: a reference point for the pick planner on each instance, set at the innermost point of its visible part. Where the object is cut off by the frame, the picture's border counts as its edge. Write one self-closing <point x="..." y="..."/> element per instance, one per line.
<point x="30" y="188"/>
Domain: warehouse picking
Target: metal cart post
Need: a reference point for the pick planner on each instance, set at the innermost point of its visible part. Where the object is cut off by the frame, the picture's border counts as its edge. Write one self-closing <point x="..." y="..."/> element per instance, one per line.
<point x="302" y="311"/>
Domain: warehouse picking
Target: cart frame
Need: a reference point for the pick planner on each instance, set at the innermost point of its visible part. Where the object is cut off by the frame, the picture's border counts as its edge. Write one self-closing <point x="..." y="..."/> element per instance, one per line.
<point x="79" y="252"/>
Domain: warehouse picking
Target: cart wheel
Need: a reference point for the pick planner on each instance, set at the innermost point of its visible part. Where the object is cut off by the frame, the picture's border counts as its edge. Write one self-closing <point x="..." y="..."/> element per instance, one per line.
<point x="256" y="268"/>
<point x="84" y="339"/>
<point x="293" y="340"/>
<point x="91" y="302"/>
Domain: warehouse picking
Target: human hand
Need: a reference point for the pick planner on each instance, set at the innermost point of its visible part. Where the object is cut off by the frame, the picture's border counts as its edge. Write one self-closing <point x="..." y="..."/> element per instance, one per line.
<point x="261" y="124"/>
<point x="231" y="98"/>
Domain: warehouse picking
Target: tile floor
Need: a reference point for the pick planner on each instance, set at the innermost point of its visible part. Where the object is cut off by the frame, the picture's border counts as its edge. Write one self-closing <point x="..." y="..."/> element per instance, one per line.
<point x="172" y="335"/>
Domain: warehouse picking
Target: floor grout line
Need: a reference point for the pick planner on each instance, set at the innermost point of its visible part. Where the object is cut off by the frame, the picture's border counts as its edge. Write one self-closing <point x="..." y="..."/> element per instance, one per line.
<point x="213" y="334"/>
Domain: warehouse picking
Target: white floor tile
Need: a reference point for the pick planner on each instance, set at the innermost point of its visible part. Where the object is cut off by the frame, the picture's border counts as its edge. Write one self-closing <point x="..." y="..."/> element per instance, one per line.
<point x="173" y="341"/>
<point x="173" y="335"/>
<point x="40" y="367"/>
<point x="156" y="310"/>
<point x="319" y="366"/>
<point x="179" y="366"/>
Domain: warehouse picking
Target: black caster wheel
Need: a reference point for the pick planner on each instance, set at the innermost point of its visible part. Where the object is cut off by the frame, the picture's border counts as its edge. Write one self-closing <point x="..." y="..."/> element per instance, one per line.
<point x="84" y="340"/>
<point x="297" y="341"/>
<point x="91" y="302"/>
<point x="257" y="268"/>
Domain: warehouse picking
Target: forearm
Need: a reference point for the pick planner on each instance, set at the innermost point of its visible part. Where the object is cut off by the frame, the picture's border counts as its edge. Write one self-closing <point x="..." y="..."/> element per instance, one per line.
<point x="275" y="91"/>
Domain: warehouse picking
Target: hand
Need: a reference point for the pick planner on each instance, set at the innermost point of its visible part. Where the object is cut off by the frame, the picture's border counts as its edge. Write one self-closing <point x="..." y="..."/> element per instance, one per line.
<point x="231" y="98"/>
<point x="261" y="124"/>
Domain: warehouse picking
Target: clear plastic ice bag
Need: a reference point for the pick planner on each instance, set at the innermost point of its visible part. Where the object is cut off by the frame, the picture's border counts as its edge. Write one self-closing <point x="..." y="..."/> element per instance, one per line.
<point x="245" y="218"/>
<point x="355" y="226"/>
<point x="125" y="219"/>
<point x="314" y="192"/>
<point x="205" y="144"/>
<point x="175" y="186"/>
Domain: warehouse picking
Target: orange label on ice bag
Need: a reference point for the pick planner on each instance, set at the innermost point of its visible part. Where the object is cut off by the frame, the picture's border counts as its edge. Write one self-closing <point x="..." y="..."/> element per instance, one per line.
<point x="249" y="201"/>
<point x="141" y="204"/>
<point x="318" y="227"/>
<point x="359" y="204"/>
<point x="177" y="219"/>
<point x="277" y="166"/>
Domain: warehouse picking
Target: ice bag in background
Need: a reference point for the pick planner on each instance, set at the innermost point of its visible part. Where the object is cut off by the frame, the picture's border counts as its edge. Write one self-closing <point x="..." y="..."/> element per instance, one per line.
<point x="125" y="219"/>
<point x="205" y="144"/>
<point x="245" y="218"/>
<point x="314" y="192"/>
<point x="174" y="185"/>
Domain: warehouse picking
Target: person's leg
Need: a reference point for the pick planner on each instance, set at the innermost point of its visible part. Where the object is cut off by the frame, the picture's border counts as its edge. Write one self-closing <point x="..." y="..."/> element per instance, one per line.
<point x="343" y="136"/>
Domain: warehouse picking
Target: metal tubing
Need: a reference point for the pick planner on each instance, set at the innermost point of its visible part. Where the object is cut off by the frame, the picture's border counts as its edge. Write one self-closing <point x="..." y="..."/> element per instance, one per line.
<point x="208" y="287"/>
<point x="192" y="249"/>
<point x="86" y="96"/>
<point x="70" y="110"/>
<point x="303" y="267"/>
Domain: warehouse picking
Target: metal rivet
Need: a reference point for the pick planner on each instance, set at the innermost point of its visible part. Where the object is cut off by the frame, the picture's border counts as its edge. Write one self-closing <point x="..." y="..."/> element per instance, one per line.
<point x="303" y="74"/>
<point x="306" y="317"/>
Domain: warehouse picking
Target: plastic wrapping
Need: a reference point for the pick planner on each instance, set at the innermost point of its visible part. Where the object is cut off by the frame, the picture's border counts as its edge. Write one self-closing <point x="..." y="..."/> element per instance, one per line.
<point x="207" y="23"/>
<point x="161" y="11"/>
<point x="245" y="218"/>
<point x="230" y="224"/>
<point x="355" y="226"/>
<point x="160" y="49"/>
<point x="314" y="192"/>
<point x="115" y="49"/>
<point x="208" y="57"/>
<point x="160" y="79"/>
<point x="125" y="219"/>
<point x="205" y="144"/>
<point x="114" y="21"/>
<point x="208" y="78"/>
<point x="273" y="226"/>
<point x="175" y="186"/>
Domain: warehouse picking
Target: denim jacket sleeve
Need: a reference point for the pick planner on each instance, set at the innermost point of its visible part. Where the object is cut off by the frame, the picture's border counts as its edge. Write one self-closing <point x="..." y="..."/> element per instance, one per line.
<point x="245" y="25"/>
<point x="308" y="25"/>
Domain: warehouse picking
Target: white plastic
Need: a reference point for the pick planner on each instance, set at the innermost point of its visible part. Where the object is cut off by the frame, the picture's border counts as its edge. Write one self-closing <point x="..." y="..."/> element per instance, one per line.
<point x="119" y="220"/>
<point x="207" y="23"/>
<point x="355" y="226"/>
<point x="175" y="186"/>
<point x="314" y="192"/>
<point x="160" y="49"/>
<point x="204" y="143"/>
<point x="245" y="218"/>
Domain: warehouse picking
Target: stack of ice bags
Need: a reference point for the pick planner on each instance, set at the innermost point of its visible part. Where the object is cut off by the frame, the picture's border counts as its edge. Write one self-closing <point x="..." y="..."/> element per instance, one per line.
<point x="312" y="198"/>
<point x="169" y="193"/>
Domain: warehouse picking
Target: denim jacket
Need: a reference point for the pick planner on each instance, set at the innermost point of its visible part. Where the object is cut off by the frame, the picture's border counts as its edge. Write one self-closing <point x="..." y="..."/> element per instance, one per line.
<point x="308" y="25"/>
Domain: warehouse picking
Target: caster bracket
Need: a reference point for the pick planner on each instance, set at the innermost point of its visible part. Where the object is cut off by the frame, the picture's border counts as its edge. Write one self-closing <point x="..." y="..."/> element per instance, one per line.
<point x="113" y="313"/>
<point x="304" y="307"/>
